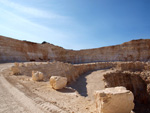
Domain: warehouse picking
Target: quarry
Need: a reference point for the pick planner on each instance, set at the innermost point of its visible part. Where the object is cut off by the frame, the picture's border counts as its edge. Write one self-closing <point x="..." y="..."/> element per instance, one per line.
<point x="44" y="78"/>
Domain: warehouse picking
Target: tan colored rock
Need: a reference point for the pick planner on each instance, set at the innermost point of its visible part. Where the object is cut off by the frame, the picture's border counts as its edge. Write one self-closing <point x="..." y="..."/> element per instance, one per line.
<point x="37" y="76"/>
<point x="58" y="82"/>
<point x="21" y="65"/>
<point x="15" y="70"/>
<point x="51" y="69"/>
<point x="114" y="100"/>
<point x="133" y="81"/>
<point x="16" y="64"/>
<point x="131" y="66"/>
<point x="16" y="50"/>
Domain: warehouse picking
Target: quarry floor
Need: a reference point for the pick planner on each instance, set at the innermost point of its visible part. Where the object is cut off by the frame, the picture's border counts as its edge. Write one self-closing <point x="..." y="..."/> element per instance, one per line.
<point x="20" y="94"/>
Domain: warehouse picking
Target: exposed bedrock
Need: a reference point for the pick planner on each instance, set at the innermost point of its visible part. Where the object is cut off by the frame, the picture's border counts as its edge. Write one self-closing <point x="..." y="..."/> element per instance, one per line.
<point x="83" y="68"/>
<point x="135" y="82"/>
<point x="15" y="50"/>
<point x="132" y="66"/>
<point x="47" y="69"/>
<point x="72" y="72"/>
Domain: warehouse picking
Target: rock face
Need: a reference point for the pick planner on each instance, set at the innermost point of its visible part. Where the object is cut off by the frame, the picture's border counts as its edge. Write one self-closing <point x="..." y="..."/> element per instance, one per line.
<point x="48" y="69"/>
<point x="131" y="66"/>
<point x="114" y="100"/>
<point x="14" y="50"/>
<point x="132" y="81"/>
<point x="135" y="76"/>
<point x="37" y="76"/>
<point x="82" y="68"/>
<point x="58" y="82"/>
<point x="56" y="68"/>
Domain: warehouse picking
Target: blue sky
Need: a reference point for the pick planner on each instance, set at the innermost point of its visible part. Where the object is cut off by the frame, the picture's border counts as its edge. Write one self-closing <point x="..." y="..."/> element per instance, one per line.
<point x="76" y="24"/>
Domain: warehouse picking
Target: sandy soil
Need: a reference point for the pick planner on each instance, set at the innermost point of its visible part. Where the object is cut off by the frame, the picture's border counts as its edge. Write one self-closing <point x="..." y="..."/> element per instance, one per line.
<point x="88" y="83"/>
<point x="12" y="100"/>
<point x="21" y="94"/>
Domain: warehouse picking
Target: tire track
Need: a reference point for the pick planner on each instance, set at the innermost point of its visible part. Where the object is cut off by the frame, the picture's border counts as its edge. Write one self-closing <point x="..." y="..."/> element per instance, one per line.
<point x="29" y="101"/>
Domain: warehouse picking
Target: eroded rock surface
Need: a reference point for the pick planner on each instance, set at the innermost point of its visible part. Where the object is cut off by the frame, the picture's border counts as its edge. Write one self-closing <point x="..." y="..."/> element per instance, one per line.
<point x="58" y="82"/>
<point x="131" y="66"/>
<point x="132" y="81"/>
<point x="15" y="50"/>
<point x="137" y="82"/>
<point x="114" y="100"/>
<point x="56" y="68"/>
<point x="37" y="76"/>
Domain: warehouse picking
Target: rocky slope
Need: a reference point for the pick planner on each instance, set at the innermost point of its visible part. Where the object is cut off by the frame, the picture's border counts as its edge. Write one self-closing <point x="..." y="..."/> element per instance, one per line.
<point x="15" y="50"/>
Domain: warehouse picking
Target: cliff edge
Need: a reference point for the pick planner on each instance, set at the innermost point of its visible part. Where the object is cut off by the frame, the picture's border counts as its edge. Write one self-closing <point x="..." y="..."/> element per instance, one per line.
<point x="12" y="50"/>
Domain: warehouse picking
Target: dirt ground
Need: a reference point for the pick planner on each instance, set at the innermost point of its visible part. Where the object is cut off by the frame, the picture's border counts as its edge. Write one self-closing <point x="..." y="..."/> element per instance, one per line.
<point x="20" y="94"/>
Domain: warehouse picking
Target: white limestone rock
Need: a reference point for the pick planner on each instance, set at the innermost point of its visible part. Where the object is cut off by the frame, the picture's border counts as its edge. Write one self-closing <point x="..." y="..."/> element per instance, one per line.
<point x="37" y="76"/>
<point x="58" y="82"/>
<point x="114" y="100"/>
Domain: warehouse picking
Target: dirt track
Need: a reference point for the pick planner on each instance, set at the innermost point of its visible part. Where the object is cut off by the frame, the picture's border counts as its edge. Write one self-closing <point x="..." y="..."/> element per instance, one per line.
<point x="12" y="100"/>
<point x="20" y="94"/>
<point x="88" y="83"/>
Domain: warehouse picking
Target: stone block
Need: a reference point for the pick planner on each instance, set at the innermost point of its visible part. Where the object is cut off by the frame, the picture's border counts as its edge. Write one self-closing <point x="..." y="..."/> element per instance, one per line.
<point x="58" y="82"/>
<point x="114" y="100"/>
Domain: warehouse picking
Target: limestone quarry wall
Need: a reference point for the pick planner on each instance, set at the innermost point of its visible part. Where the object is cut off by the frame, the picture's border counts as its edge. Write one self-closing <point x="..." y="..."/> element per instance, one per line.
<point x="132" y="66"/>
<point x="132" y="81"/>
<point x="137" y="82"/>
<point x="12" y="50"/>
<point x="83" y="68"/>
<point x="136" y="50"/>
<point x="48" y="69"/>
<point x="56" y="68"/>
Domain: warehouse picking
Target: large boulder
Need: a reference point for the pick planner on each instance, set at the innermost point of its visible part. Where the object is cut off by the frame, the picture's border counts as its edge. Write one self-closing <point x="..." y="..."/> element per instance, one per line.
<point x="58" y="82"/>
<point x="37" y="76"/>
<point x="114" y="100"/>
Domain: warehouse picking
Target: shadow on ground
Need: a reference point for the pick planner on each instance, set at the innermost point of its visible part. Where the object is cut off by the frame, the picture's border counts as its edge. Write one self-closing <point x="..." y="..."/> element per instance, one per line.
<point x="66" y="90"/>
<point x="80" y="84"/>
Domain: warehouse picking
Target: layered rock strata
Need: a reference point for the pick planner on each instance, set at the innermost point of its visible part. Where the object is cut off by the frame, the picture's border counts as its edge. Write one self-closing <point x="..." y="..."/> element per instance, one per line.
<point x="12" y="50"/>
<point x="48" y="70"/>
<point x="72" y="72"/>
<point x="132" y="81"/>
<point x="131" y="66"/>
<point x="137" y="82"/>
